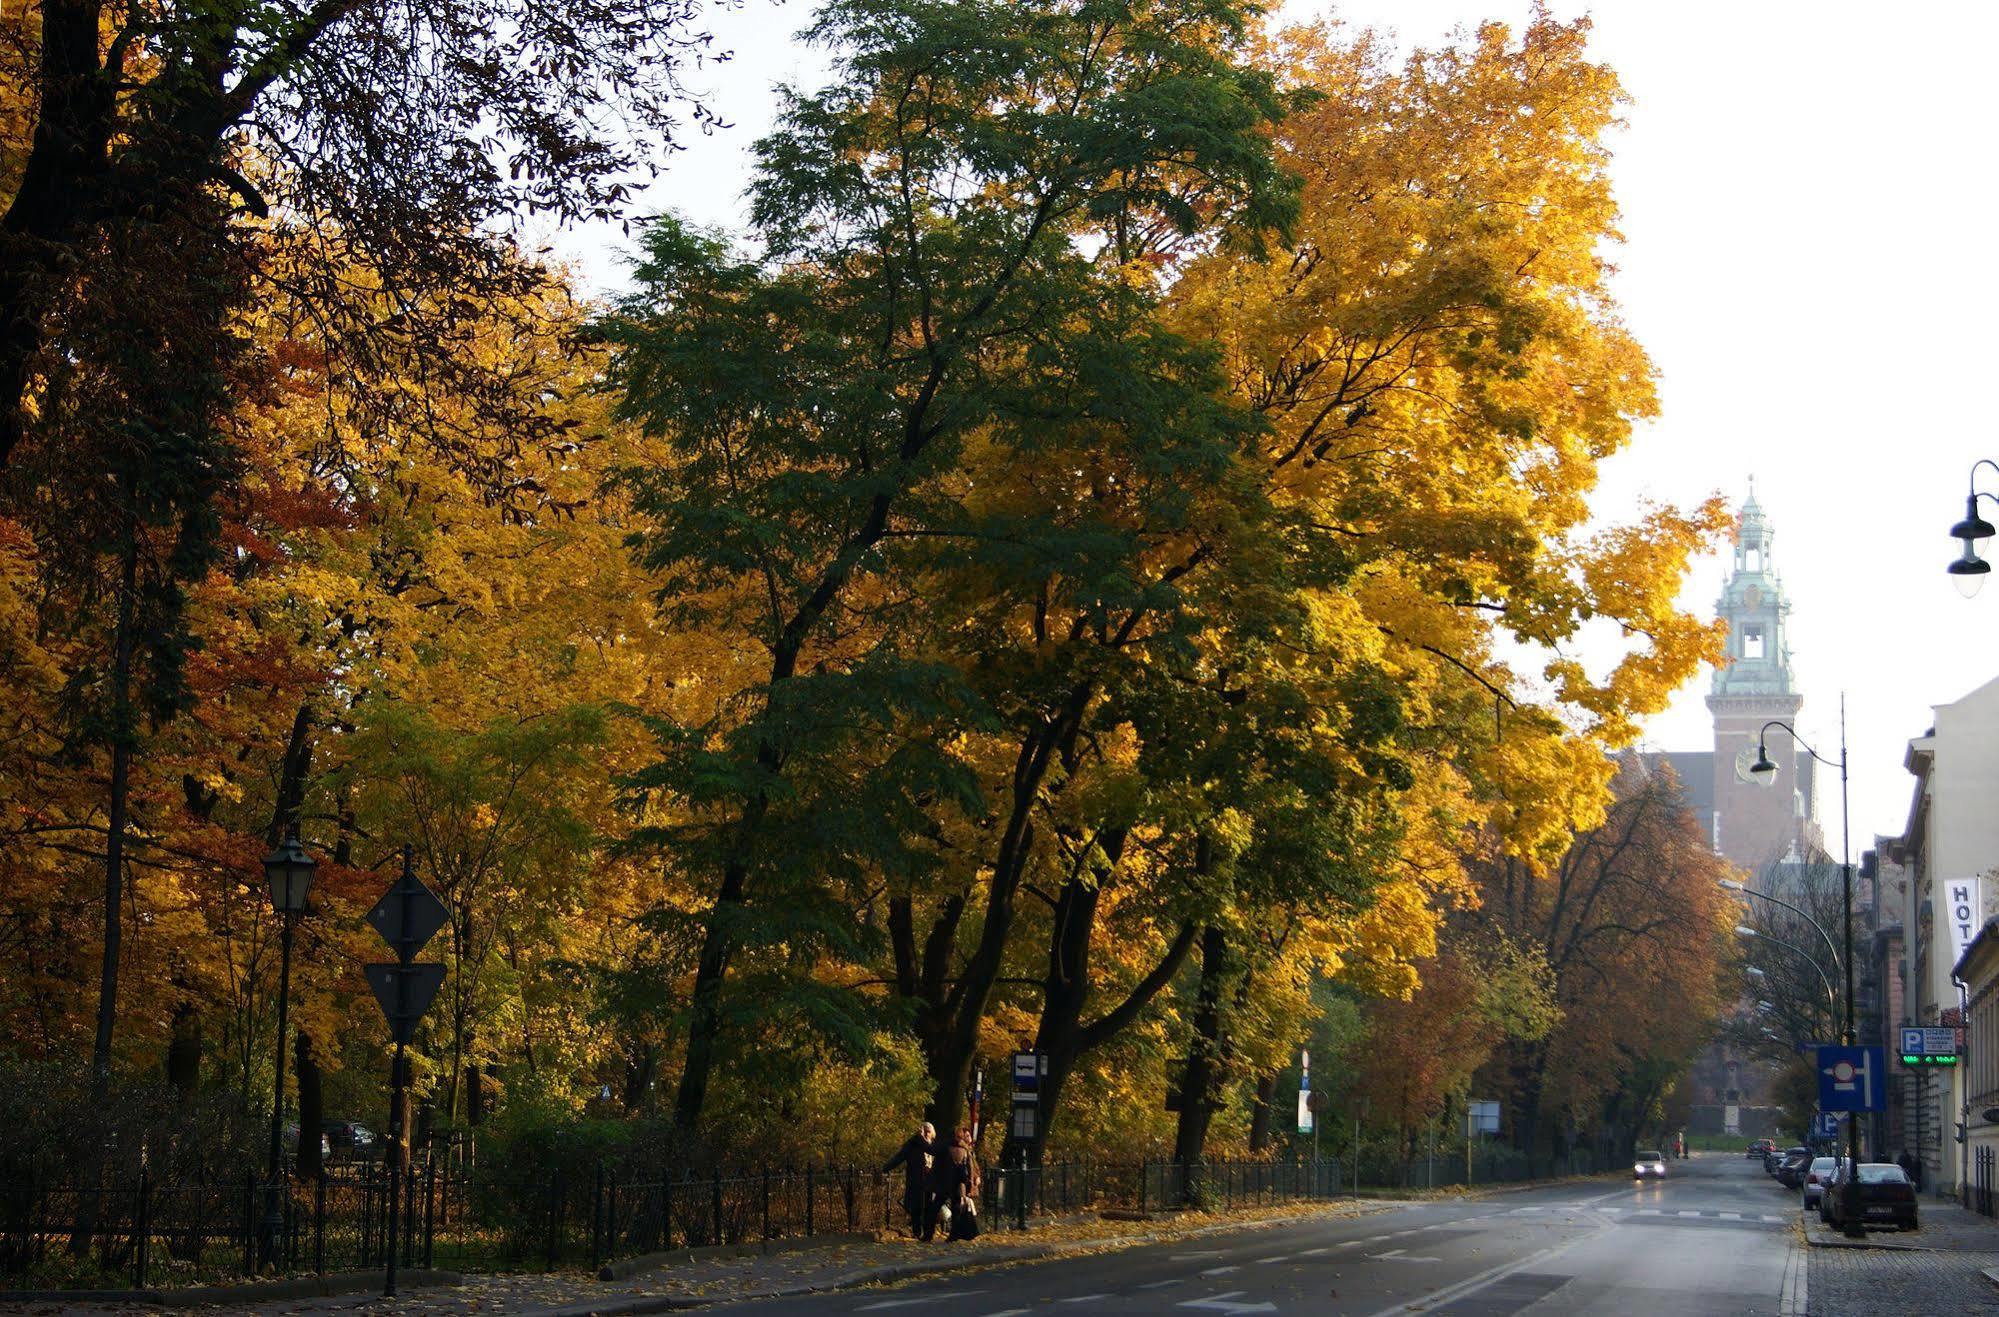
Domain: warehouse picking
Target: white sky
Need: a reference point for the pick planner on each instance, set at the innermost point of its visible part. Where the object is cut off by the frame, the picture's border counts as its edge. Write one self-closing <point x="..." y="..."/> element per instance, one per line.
<point x="1808" y="194"/>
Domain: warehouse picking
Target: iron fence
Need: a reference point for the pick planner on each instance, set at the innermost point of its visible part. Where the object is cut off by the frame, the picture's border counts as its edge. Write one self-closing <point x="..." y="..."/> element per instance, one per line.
<point x="450" y="1216"/>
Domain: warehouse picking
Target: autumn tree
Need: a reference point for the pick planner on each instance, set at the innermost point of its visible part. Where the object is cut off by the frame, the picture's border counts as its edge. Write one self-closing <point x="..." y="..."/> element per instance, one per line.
<point x="1632" y="926"/>
<point x="929" y="294"/>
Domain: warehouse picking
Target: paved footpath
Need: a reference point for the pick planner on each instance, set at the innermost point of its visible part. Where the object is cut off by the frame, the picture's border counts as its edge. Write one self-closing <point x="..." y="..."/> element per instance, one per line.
<point x="1938" y="1269"/>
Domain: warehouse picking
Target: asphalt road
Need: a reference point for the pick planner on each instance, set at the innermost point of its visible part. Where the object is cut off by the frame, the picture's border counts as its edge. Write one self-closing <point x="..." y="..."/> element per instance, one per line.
<point x="1715" y="1238"/>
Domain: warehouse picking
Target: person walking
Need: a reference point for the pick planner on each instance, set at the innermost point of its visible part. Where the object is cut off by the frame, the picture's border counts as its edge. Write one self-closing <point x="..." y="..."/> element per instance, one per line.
<point x="966" y="1186"/>
<point x="917" y="1157"/>
<point x="947" y="1176"/>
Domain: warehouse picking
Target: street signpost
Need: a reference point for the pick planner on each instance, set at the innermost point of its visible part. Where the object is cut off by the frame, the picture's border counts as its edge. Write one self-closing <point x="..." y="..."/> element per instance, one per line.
<point x="1852" y="1078"/>
<point x="1929" y="1047"/>
<point x="1305" y="1093"/>
<point x="1028" y="1070"/>
<point x="1825" y="1125"/>
<point x="408" y="916"/>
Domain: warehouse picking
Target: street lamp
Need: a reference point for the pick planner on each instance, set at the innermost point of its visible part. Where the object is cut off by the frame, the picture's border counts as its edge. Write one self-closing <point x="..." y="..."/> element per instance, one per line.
<point x="288" y="871"/>
<point x="1730" y="884"/>
<point x="1968" y="573"/>
<point x="1831" y="997"/>
<point x="1851" y="1216"/>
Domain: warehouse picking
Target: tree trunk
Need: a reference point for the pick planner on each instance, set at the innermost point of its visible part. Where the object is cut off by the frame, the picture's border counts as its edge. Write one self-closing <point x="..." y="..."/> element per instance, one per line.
<point x="1204" y="1058"/>
<point x="1259" y="1113"/>
<point x="122" y="731"/>
<point x="184" y="1052"/>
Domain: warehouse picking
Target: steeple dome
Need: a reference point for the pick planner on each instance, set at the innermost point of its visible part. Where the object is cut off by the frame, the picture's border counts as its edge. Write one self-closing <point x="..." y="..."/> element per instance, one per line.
<point x="1755" y="607"/>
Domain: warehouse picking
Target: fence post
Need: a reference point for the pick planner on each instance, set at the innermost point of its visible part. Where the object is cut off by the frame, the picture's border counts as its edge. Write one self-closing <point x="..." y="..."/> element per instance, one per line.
<point x="611" y="1217"/>
<point x="1141" y="1187"/>
<point x="666" y="1210"/>
<point x="763" y="1200"/>
<point x="141" y="1228"/>
<point x="430" y="1207"/>
<point x="853" y="1186"/>
<point x="554" y="1219"/>
<point x="717" y="1175"/>
<point x="597" y="1217"/>
<point x="808" y="1200"/>
<point x="249" y="1225"/>
<point x="319" y="1224"/>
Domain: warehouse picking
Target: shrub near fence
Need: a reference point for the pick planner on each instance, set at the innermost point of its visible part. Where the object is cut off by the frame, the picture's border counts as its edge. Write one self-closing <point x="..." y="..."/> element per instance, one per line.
<point x="146" y="1234"/>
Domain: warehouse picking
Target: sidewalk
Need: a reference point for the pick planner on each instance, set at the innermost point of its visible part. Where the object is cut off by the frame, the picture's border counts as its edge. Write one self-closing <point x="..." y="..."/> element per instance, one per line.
<point x="1949" y="1265"/>
<point x="715" y="1275"/>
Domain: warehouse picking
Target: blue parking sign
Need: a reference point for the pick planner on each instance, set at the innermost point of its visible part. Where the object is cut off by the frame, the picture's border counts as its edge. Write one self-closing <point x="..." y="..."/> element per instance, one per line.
<point x="1853" y="1078"/>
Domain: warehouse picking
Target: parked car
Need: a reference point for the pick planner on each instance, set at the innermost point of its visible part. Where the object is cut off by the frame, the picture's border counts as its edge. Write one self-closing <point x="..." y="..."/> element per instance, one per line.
<point x="1758" y="1147"/>
<point x="1815" y="1177"/>
<point x="1886" y="1197"/>
<point x="291" y="1142"/>
<point x="1772" y="1160"/>
<point x="1648" y="1166"/>
<point x="350" y="1140"/>
<point x="1791" y="1172"/>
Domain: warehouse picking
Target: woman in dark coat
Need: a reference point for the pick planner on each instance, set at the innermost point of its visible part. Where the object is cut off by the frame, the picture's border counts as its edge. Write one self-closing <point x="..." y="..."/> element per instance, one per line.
<point x="917" y="1157"/>
<point x="964" y="1190"/>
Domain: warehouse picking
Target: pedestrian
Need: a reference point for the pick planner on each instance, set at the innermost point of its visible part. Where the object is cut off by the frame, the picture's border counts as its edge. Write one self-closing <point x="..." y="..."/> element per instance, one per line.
<point x="1910" y="1167"/>
<point x="918" y="1158"/>
<point x="966" y="1185"/>
<point x="946" y="1174"/>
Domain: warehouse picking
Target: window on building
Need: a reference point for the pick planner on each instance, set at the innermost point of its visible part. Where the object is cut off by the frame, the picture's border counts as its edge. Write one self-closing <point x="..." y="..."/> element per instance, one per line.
<point x="1752" y="642"/>
<point x="1752" y="560"/>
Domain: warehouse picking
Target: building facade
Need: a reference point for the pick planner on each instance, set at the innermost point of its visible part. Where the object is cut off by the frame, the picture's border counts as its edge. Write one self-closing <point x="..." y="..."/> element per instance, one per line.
<point x="1949" y="848"/>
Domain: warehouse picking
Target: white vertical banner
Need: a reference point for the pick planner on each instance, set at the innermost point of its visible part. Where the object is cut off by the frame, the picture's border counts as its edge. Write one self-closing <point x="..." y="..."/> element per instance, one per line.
<point x="1963" y="914"/>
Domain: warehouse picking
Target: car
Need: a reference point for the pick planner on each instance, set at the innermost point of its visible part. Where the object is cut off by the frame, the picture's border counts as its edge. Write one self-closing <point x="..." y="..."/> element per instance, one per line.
<point x="291" y="1142"/>
<point x="1771" y="1161"/>
<point x="1758" y="1147"/>
<point x="1884" y="1193"/>
<point x="1791" y="1172"/>
<point x="1648" y="1166"/>
<point x="350" y="1140"/>
<point x="1815" y="1177"/>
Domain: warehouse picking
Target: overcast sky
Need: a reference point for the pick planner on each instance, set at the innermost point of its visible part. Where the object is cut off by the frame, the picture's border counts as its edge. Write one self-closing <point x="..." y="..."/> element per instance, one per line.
<point x="1808" y="193"/>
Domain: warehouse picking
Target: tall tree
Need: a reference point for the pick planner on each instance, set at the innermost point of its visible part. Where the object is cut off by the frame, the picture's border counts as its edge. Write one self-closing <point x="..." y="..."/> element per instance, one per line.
<point x="930" y="290"/>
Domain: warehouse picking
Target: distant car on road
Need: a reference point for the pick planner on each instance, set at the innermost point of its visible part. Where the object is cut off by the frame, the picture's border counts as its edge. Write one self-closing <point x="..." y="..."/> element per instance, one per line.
<point x="1791" y="1173"/>
<point x="1758" y="1147"/>
<point x="1648" y="1166"/>
<point x="1816" y="1176"/>
<point x="1886" y="1197"/>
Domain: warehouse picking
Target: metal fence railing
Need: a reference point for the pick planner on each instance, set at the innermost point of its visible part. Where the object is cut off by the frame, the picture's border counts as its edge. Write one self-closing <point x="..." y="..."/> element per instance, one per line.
<point x="149" y="1234"/>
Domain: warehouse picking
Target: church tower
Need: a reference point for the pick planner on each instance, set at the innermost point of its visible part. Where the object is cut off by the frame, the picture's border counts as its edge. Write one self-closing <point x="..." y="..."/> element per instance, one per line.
<point x="1758" y="821"/>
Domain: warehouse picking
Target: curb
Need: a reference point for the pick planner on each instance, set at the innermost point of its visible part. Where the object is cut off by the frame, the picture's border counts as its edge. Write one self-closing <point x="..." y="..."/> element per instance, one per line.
<point x="199" y="1296"/>
<point x="1824" y="1239"/>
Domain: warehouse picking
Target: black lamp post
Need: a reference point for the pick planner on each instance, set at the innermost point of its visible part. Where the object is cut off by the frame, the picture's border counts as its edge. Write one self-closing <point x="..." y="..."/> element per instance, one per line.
<point x="288" y="870"/>
<point x="1851" y="1215"/>
<point x="1968" y="573"/>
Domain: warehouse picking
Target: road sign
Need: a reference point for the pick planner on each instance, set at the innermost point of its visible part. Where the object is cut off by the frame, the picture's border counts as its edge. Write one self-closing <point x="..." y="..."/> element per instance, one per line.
<point x="1825" y="1125"/>
<point x="1922" y="1047"/>
<point x="1481" y="1117"/>
<point x="408" y="915"/>
<point x="1852" y="1078"/>
<point x="405" y="993"/>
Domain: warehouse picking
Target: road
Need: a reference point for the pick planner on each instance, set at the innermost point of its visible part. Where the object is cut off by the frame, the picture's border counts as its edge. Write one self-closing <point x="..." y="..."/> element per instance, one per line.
<point x="1715" y="1238"/>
